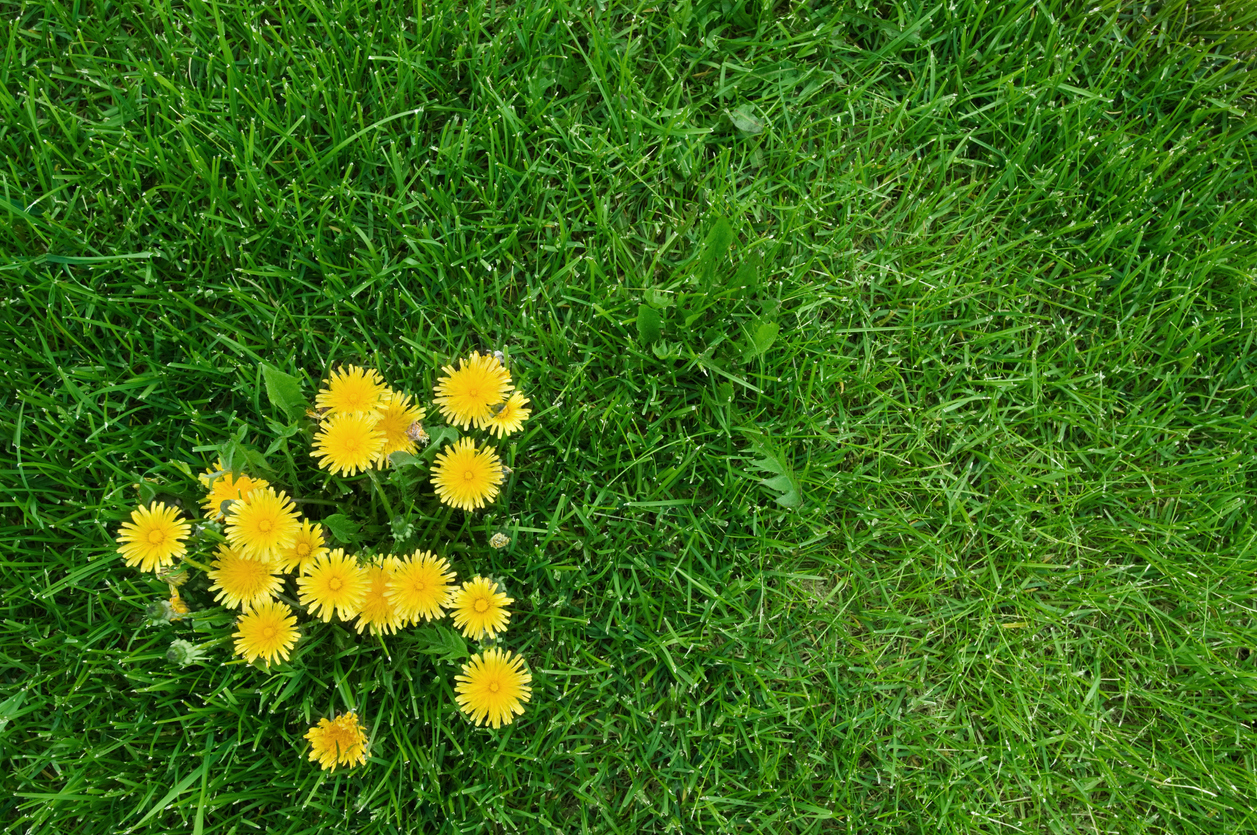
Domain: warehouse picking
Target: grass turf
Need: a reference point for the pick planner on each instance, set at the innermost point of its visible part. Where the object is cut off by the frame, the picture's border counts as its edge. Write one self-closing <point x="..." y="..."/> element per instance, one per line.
<point x="984" y="325"/>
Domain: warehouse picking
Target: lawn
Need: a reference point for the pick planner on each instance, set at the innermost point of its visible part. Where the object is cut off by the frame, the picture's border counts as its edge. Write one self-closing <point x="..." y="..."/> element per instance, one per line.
<point x="894" y="446"/>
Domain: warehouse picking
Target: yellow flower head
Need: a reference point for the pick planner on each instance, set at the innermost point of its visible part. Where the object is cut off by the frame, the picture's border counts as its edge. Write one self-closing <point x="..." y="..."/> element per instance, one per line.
<point x="377" y="610"/>
<point x="241" y="582"/>
<point x="268" y="632"/>
<point x="263" y="525"/>
<point x="339" y="741"/>
<point x="305" y="549"/>
<point x="153" y="538"/>
<point x="347" y="443"/>
<point x="225" y="487"/>
<point x="178" y="608"/>
<point x="468" y="394"/>
<point x="466" y="477"/>
<point x="334" y="582"/>
<point x="421" y="586"/>
<point x="510" y="417"/>
<point x="479" y="609"/>
<point x="492" y="687"/>
<point x="397" y="415"/>
<point x="351" y="389"/>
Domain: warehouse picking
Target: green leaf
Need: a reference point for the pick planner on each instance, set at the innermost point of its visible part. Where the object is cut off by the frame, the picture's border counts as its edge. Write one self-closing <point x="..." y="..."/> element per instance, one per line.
<point x="658" y="299"/>
<point x="666" y="350"/>
<point x="343" y="528"/>
<point x="748" y="274"/>
<point x="649" y="324"/>
<point x="284" y="391"/>
<point x="442" y="642"/>
<point x="719" y="239"/>
<point x="744" y="121"/>
<point x="762" y="338"/>
<point x="402" y="458"/>
<point x="772" y="460"/>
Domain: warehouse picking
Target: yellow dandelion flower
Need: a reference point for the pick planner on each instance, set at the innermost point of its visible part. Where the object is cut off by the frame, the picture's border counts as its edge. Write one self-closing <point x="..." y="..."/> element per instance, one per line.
<point x="153" y="539"/>
<point x="351" y="389"/>
<point x="420" y="586"/>
<point x="510" y="417"/>
<point x="492" y="687"/>
<point x="467" y="477"/>
<point x="242" y="583"/>
<point x="178" y="608"/>
<point x="377" y="610"/>
<point x="479" y="609"/>
<point x="263" y="525"/>
<point x="348" y="443"/>
<point x="225" y="487"/>
<point x="306" y="547"/>
<point x="468" y="394"/>
<point x="339" y="741"/>
<point x="268" y="632"/>
<point x="397" y="415"/>
<point x="334" y="582"/>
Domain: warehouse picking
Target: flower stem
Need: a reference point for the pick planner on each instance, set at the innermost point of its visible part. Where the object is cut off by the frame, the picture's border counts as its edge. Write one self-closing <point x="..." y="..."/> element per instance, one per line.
<point x="379" y="491"/>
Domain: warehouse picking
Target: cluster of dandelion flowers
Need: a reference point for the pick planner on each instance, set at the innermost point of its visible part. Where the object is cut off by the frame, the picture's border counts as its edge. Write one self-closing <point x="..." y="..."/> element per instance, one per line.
<point x="421" y="586"/>
<point x="226" y="487"/>
<point x="348" y="443"/>
<point x="468" y="395"/>
<point x="153" y="539"/>
<point x="263" y="525"/>
<point x="510" y="417"/>
<point x="242" y="583"/>
<point x="306" y="547"/>
<point x="338" y="741"/>
<point x="336" y="583"/>
<point x="351" y="389"/>
<point x="466" y="477"/>
<point x="479" y="609"/>
<point x="377" y="610"/>
<point x="268" y="632"/>
<point x="396" y="416"/>
<point x="493" y="687"/>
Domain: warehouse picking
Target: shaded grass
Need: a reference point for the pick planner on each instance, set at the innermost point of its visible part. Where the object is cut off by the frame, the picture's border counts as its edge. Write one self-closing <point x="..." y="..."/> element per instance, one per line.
<point x="1009" y="253"/>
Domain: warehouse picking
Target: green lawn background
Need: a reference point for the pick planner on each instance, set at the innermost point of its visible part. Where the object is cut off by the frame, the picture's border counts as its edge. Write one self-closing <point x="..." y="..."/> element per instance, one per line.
<point x="925" y="507"/>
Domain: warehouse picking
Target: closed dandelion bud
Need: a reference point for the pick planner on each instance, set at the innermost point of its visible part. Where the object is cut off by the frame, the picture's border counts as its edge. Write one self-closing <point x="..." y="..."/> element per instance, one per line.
<point x="499" y="540"/>
<point x="185" y="654"/>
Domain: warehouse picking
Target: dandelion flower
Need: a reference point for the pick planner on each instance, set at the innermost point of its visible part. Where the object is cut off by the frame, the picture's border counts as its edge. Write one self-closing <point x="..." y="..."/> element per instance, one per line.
<point x="492" y="687"/>
<point x="178" y="608"/>
<point x="467" y="477"/>
<point x="420" y="586"/>
<point x="339" y="741"/>
<point x="226" y="487"/>
<point x="510" y="418"/>
<point x="334" y="581"/>
<point x="479" y="609"/>
<point x="263" y="525"/>
<point x="268" y="632"/>
<point x="153" y="538"/>
<point x="347" y="443"/>
<point x="351" y="389"/>
<point x="305" y="549"/>
<point x="377" y="610"/>
<point x="397" y="415"/>
<point x="242" y="583"/>
<point x="468" y="394"/>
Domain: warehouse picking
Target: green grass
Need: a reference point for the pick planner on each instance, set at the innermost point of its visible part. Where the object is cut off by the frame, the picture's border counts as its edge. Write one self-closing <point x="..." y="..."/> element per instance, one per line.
<point x="1009" y="254"/>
